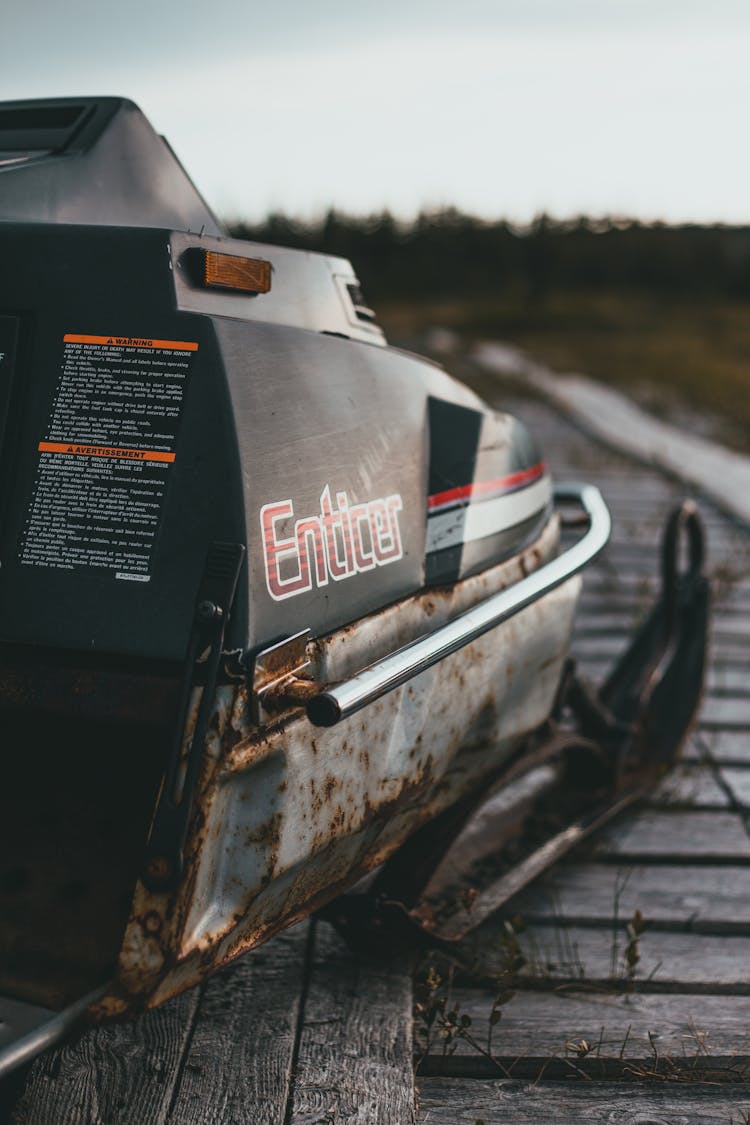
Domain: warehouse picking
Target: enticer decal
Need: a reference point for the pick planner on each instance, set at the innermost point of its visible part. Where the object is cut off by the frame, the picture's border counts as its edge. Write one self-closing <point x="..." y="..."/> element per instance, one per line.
<point x="337" y="543"/>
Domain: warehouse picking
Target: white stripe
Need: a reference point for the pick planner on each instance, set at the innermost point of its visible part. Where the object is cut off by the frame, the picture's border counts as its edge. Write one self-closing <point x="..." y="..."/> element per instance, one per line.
<point x="487" y="517"/>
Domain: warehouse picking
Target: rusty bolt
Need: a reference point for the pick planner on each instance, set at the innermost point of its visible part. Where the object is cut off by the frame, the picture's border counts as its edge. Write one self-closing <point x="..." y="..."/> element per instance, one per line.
<point x="159" y="869"/>
<point x="152" y="922"/>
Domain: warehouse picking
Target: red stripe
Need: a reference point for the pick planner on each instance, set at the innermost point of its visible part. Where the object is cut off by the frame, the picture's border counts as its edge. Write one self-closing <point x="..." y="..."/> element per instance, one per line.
<point x="481" y="488"/>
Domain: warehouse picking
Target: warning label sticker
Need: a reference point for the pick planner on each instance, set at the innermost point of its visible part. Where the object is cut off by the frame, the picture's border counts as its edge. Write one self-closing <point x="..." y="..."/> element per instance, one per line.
<point x="105" y="457"/>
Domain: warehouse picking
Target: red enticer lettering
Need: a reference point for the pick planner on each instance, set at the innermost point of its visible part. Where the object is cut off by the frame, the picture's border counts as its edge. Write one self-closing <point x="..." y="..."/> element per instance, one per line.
<point x="336" y="543"/>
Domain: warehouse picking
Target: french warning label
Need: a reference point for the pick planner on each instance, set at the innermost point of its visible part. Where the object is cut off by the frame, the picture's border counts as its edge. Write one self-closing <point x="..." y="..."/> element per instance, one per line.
<point x="105" y="458"/>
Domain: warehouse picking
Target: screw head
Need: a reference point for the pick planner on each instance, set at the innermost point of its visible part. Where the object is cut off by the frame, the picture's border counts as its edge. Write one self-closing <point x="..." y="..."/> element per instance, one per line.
<point x="208" y="611"/>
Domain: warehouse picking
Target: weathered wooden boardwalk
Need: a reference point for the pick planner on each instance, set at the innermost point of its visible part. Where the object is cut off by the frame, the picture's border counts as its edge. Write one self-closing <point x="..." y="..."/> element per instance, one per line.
<point x="584" y="1039"/>
<point x="303" y="1031"/>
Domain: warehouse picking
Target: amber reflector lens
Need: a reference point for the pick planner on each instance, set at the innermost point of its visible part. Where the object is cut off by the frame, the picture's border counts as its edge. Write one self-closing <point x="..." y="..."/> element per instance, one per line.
<point x="226" y="271"/>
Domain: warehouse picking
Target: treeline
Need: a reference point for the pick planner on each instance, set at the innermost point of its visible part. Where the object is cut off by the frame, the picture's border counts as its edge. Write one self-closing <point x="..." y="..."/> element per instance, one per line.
<point x="447" y="253"/>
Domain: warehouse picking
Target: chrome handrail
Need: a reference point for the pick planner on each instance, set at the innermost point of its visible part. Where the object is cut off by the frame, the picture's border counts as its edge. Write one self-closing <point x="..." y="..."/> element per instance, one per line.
<point x="345" y="699"/>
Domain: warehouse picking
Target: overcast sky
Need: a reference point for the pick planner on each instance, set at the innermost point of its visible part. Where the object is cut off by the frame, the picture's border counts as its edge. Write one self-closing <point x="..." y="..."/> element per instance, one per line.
<point x="504" y="108"/>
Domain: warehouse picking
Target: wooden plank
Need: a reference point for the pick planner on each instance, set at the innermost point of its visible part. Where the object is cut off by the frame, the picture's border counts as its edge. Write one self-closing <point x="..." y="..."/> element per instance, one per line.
<point x="632" y="604"/>
<point x="618" y="599"/>
<point x="626" y="567"/>
<point x="737" y="781"/>
<point x="694" y="752"/>
<point x="729" y="650"/>
<point x="457" y="1101"/>
<point x="726" y="711"/>
<point x="620" y="603"/>
<point x="618" y="596"/>
<point x="616" y="477"/>
<point x="629" y="1030"/>
<point x="706" y="899"/>
<point x="604" y="622"/>
<point x="615" y="593"/>
<point x="599" y="580"/>
<point x="119" y="1072"/>
<point x="593" y="670"/>
<point x="616" y="464"/>
<point x="609" y="567"/>
<point x="731" y="678"/>
<point x="354" y="1064"/>
<point x="726" y="747"/>
<point x="239" y="1064"/>
<point x="622" y="552"/>
<point x="649" y="492"/>
<point x="696" y="837"/>
<point x="669" y="962"/>
<point x="713" y="469"/>
<point x="601" y="650"/>
<point x="716" y="525"/>
<point x="643" y="519"/>
<point x="599" y="583"/>
<point x="691" y="786"/>
<point x="207" y="1056"/>
<point x="648" y="489"/>
<point x="724" y="543"/>
<point x="721" y="680"/>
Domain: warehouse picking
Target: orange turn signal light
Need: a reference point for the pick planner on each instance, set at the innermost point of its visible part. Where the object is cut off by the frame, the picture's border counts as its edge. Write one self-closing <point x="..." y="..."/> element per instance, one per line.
<point x="227" y="271"/>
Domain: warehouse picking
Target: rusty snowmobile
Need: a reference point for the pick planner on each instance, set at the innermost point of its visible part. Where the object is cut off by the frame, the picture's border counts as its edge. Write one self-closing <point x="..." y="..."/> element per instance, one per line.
<point x="278" y="602"/>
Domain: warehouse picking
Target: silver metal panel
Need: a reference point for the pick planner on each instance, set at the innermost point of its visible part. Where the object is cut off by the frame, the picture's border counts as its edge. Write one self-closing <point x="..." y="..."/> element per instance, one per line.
<point x="289" y="815"/>
<point x="311" y="413"/>
<point x="117" y="171"/>
<point x="308" y="290"/>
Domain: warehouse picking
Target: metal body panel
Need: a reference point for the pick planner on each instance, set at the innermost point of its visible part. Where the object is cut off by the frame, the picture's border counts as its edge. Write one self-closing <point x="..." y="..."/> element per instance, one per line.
<point x="269" y="413"/>
<point x="288" y="815"/>
<point x="312" y="413"/>
<point x="308" y="290"/>
<point x="106" y="166"/>
<point x="484" y="470"/>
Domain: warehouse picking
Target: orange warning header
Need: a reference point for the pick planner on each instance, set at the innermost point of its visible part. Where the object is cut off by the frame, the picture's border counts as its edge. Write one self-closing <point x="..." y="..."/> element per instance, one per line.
<point x="132" y="342"/>
<point x="104" y="451"/>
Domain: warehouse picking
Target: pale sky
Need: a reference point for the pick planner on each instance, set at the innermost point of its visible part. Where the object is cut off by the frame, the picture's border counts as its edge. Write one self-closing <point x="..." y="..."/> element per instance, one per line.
<point x="504" y="108"/>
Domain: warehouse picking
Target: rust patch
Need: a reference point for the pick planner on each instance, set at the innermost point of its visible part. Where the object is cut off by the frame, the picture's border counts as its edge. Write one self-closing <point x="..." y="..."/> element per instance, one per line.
<point x="338" y="821"/>
<point x="415" y="800"/>
<point x="268" y="833"/>
<point x="330" y="785"/>
<point x="108" y="1008"/>
<point x="290" y="693"/>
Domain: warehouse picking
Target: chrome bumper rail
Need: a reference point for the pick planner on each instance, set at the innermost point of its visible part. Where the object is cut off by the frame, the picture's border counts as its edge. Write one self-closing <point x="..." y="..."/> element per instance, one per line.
<point x="29" y="1029"/>
<point x="345" y="699"/>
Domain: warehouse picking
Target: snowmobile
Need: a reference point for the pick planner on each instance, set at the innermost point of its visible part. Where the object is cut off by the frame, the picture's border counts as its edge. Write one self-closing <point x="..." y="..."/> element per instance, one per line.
<point x="279" y="603"/>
